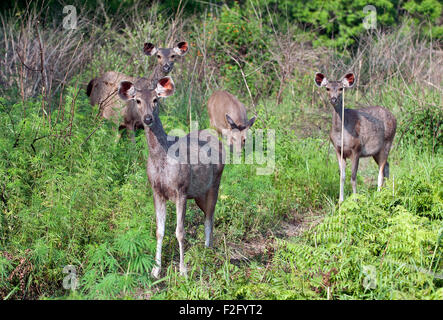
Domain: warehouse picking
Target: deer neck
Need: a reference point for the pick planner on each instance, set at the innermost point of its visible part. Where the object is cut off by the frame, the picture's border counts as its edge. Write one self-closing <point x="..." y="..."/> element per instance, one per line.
<point x="156" y="75"/>
<point x="337" y="114"/>
<point x="157" y="138"/>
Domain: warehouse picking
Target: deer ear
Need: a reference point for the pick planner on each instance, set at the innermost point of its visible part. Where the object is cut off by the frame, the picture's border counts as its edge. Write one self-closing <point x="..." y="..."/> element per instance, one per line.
<point x="320" y="80"/>
<point x="165" y="87"/>
<point x="231" y="122"/>
<point x="149" y="49"/>
<point x="181" y="48"/>
<point x="251" y="122"/>
<point x="126" y="90"/>
<point x="348" y="80"/>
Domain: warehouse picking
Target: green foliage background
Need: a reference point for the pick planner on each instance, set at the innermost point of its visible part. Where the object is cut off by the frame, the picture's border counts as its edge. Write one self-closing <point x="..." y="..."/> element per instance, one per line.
<point x="71" y="198"/>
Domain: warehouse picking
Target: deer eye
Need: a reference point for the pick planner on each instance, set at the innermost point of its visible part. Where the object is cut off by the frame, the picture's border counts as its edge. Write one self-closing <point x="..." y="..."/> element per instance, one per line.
<point x="341" y="89"/>
<point x="158" y="56"/>
<point x="138" y="101"/>
<point x="173" y="56"/>
<point x="327" y="89"/>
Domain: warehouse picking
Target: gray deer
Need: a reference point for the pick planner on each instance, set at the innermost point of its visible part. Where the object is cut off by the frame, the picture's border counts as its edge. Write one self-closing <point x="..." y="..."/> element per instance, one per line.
<point x="103" y="90"/>
<point x="172" y="177"/>
<point x="368" y="132"/>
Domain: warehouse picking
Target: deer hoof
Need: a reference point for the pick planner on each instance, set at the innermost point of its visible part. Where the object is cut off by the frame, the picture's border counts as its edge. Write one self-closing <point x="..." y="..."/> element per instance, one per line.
<point x="156" y="272"/>
<point x="183" y="271"/>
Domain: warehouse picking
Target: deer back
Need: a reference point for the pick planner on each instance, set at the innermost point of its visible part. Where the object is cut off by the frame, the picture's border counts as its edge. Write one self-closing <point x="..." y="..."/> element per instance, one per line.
<point x="222" y="103"/>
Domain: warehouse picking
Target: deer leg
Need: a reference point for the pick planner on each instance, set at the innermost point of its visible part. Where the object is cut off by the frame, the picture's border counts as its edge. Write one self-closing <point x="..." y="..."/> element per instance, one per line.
<point x="209" y="225"/>
<point x="381" y="160"/>
<point x="342" y="165"/>
<point x="160" y="215"/>
<point x="386" y="170"/>
<point x="180" y="231"/>
<point x="355" y="160"/>
<point x="207" y="204"/>
<point x="380" y="177"/>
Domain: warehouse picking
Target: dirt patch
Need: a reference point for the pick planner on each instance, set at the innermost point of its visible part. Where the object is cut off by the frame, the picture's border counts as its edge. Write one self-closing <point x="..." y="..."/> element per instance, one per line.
<point x="299" y="224"/>
<point x="248" y="251"/>
<point x="261" y="249"/>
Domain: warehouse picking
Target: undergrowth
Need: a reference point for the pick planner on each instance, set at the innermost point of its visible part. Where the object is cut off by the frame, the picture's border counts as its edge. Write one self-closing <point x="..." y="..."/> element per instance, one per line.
<point x="84" y="200"/>
<point x="73" y="194"/>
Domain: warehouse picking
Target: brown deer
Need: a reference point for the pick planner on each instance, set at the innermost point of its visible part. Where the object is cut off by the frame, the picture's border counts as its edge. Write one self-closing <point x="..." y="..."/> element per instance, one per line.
<point x="228" y="116"/>
<point x="103" y="90"/>
<point x="176" y="178"/>
<point x="368" y="132"/>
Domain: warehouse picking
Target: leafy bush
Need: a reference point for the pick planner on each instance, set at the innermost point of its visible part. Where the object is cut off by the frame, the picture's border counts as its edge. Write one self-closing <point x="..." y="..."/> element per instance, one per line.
<point x="339" y="23"/>
<point x="370" y="250"/>
<point x="424" y="128"/>
<point x="72" y="194"/>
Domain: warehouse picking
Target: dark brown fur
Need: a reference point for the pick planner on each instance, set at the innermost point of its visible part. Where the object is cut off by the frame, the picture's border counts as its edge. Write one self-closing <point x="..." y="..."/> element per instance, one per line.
<point x="89" y="88"/>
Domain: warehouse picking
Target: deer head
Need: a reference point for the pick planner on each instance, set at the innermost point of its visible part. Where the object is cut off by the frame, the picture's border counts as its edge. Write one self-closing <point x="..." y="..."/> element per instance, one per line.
<point x="166" y="56"/>
<point x="146" y="100"/>
<point x="237" y="135"/>
<point x="335" y="88"/>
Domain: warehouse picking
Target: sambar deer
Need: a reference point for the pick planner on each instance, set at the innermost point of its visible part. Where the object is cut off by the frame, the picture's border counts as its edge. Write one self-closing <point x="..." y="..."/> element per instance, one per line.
<point x="228" y="116"/>
<point x="103" y="90"/>
<point x="368" y="132"/>
<point x="176" y="177"/>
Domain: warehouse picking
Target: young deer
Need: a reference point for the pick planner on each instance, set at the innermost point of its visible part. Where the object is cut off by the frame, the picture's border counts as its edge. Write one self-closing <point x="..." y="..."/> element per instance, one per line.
<point x="367" y="132"/>
<point x="102" y="90"/>
<point x="228" y="116"/>
<point x="172" y="178"/>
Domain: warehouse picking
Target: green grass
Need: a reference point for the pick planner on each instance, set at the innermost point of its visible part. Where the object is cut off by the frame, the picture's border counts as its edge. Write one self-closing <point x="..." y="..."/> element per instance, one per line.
<point x="89" y="204"/>
<point x="72" y="194"/>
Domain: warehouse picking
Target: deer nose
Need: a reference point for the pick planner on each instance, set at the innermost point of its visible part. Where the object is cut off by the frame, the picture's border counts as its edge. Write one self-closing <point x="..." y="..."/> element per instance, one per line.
<point x="334" y="100"/>
<point x="148" y="120"/>
<point x="167" y="67"/>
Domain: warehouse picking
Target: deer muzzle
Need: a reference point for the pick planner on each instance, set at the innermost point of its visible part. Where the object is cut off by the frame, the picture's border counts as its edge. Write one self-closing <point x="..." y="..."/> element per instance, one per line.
<point x="148" y="120"/>
<point x="167" y="67"/>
